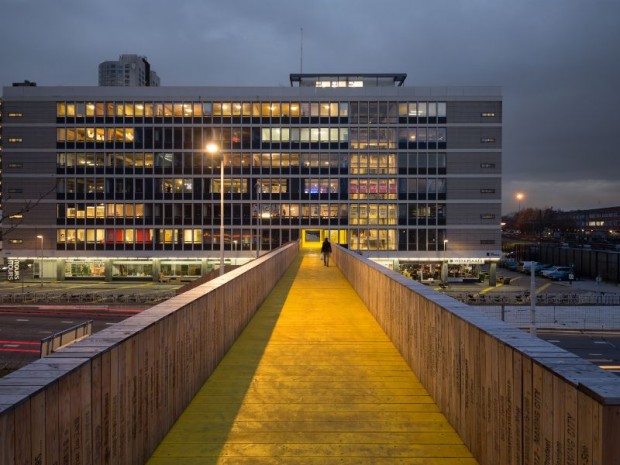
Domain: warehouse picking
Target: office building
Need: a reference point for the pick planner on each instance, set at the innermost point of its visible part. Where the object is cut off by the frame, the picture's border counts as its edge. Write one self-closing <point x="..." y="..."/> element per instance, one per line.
<point x="128" y="71"/>
<point x="116" y="182"/>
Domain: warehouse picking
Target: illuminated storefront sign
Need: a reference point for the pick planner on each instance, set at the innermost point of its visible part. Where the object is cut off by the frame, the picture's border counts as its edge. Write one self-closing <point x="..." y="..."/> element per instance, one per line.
<point x="13" y="270"/>
<point x="466" y="261"/>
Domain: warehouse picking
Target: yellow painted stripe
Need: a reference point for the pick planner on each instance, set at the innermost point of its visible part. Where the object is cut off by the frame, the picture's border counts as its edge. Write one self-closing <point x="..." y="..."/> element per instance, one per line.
<point x="484" y="291"/>
<point x="312" y="380"/>
<point x="542" y="288"/>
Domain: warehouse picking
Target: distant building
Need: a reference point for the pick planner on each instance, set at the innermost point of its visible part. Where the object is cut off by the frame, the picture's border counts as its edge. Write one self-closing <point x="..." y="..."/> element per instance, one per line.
<point x="128" y="71"/>
<point x="605" y="220"/>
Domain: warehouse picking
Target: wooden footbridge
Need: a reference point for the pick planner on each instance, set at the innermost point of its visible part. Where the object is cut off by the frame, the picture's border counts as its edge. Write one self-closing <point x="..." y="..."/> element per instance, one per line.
<point x="286" y="361"/>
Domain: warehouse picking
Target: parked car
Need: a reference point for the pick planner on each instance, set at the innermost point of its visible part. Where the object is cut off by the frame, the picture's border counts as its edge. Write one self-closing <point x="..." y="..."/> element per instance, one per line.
<point x="540" y="267"/>
<point x="553" y="269"/>
<point x="508" y="263"/>
<point x="562" y="275"/>
<point x="524" y="267"/>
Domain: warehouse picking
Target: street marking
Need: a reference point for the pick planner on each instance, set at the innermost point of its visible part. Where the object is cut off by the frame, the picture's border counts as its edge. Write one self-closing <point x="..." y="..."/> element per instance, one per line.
<point x="67" y="321"/>
<point x="553" y="341"/>
<point x="10" y="345"/>
<point x="543" y="287"/>
<point x="21" y="319"/>
<point x="595" y="355"/>
<point x="11" y="349"/>
<point x="484" y="291"/>
<point x="601" y="342"/>
<point x="21" y="343"/>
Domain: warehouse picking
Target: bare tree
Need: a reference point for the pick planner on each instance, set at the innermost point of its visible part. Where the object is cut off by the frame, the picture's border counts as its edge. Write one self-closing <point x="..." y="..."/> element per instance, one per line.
<point x="9" y="223"/>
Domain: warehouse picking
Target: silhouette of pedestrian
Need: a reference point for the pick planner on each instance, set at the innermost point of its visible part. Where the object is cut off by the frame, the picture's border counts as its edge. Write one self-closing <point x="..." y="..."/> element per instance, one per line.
<point x="326" y="250"/>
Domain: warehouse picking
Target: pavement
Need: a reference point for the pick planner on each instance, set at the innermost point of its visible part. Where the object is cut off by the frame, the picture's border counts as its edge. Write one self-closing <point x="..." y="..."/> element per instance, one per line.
<point x="520" y="283"/>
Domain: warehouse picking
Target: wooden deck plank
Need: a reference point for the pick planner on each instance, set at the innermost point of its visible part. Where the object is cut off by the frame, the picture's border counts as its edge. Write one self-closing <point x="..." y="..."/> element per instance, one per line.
<point x="312" y="379"/>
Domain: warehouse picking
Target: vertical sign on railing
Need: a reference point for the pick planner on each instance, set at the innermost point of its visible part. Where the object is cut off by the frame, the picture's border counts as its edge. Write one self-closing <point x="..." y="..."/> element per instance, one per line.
<point x="13" y="273"/>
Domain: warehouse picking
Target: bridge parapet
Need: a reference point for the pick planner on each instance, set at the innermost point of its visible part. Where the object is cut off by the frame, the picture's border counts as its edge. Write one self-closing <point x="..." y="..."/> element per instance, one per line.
<point x="110" y="399"/>
<point x="513" y="398"/>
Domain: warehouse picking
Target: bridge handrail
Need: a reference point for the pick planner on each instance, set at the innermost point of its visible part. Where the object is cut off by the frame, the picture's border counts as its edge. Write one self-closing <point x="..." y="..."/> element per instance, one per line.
<point x="57" y="341"/>
<point x="513" y="398"/>
<point x="112" y="397"/>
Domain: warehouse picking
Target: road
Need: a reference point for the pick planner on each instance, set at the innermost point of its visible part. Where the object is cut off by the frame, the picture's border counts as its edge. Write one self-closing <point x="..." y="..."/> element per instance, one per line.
<point x="21" y="329"/>
<point x="600" y="348"/>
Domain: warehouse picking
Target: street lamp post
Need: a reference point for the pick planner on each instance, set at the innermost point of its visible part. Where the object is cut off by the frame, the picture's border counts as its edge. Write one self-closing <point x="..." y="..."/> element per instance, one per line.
<point x="444" y="263"/>
<point x="259" y="218"/>
<point x="213" y="149"/>
<point x="39" y="236"/>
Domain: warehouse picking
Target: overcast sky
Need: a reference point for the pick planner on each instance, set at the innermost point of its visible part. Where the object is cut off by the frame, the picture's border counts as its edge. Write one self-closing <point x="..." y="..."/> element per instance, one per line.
<point x="558" y="62"/>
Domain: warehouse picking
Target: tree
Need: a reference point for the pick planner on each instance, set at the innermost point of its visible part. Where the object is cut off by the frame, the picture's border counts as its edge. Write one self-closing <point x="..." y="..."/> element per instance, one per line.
<point x="11" y="222"/>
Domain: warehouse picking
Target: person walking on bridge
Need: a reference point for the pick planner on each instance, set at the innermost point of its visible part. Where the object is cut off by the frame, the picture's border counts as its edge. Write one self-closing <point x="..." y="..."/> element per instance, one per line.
<point x="326" y="250"/>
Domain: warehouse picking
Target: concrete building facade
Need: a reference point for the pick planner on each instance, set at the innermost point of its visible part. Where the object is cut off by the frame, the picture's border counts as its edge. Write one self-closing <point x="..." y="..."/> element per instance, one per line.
<point x="116" y="183"/>
<point x="127" y="71"/>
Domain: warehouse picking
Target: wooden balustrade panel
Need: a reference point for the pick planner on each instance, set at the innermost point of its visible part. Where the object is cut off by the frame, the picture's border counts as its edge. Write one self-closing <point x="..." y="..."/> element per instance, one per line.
<point x="109" y="399"/>
<point x="512" y="398"/>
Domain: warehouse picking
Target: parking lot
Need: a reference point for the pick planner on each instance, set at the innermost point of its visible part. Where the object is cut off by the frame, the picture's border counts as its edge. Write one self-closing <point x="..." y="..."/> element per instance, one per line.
<point x="31" y="291"/>
<point x="516" y="290"/>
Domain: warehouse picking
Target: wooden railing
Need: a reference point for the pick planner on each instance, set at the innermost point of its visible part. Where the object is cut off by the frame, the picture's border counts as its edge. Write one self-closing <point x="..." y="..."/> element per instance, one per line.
<point x="61" y="339"/>
<point x="110" y="399"/>
<point x="513" y="398"/>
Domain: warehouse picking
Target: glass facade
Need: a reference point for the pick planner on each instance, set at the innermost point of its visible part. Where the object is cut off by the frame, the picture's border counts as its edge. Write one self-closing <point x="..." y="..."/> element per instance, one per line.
<point x="390" y="172"/>
<point x="134" y="175"/>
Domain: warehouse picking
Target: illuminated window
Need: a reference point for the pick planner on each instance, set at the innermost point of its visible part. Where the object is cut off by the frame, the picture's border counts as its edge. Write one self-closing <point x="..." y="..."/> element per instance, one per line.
<point x="168" y="236"/>
<point x="235" y="186"/>
<point x="273" y="186"/>
<point x="192" y="236"/>
<point x="320" y="186"/>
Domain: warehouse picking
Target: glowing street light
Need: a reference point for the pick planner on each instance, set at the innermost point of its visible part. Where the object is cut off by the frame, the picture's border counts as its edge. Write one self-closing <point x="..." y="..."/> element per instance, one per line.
<point x="213" y="149"/>
<point x="520" y="196"/>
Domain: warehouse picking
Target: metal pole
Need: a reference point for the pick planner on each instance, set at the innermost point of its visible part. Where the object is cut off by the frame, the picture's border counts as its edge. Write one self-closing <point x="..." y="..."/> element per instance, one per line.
<point x="222" y="215"/>
<point x="259" y="218"/>
<point x="533" y="299"/>
<point x="41" y="267"/>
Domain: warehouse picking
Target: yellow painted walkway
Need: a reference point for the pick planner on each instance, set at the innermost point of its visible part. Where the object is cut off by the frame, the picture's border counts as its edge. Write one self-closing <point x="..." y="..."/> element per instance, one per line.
<point x="312" y="380"/>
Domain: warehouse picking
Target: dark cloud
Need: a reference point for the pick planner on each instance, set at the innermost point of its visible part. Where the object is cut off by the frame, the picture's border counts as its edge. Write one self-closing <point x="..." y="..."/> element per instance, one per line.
<point x="557" y="61"/>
